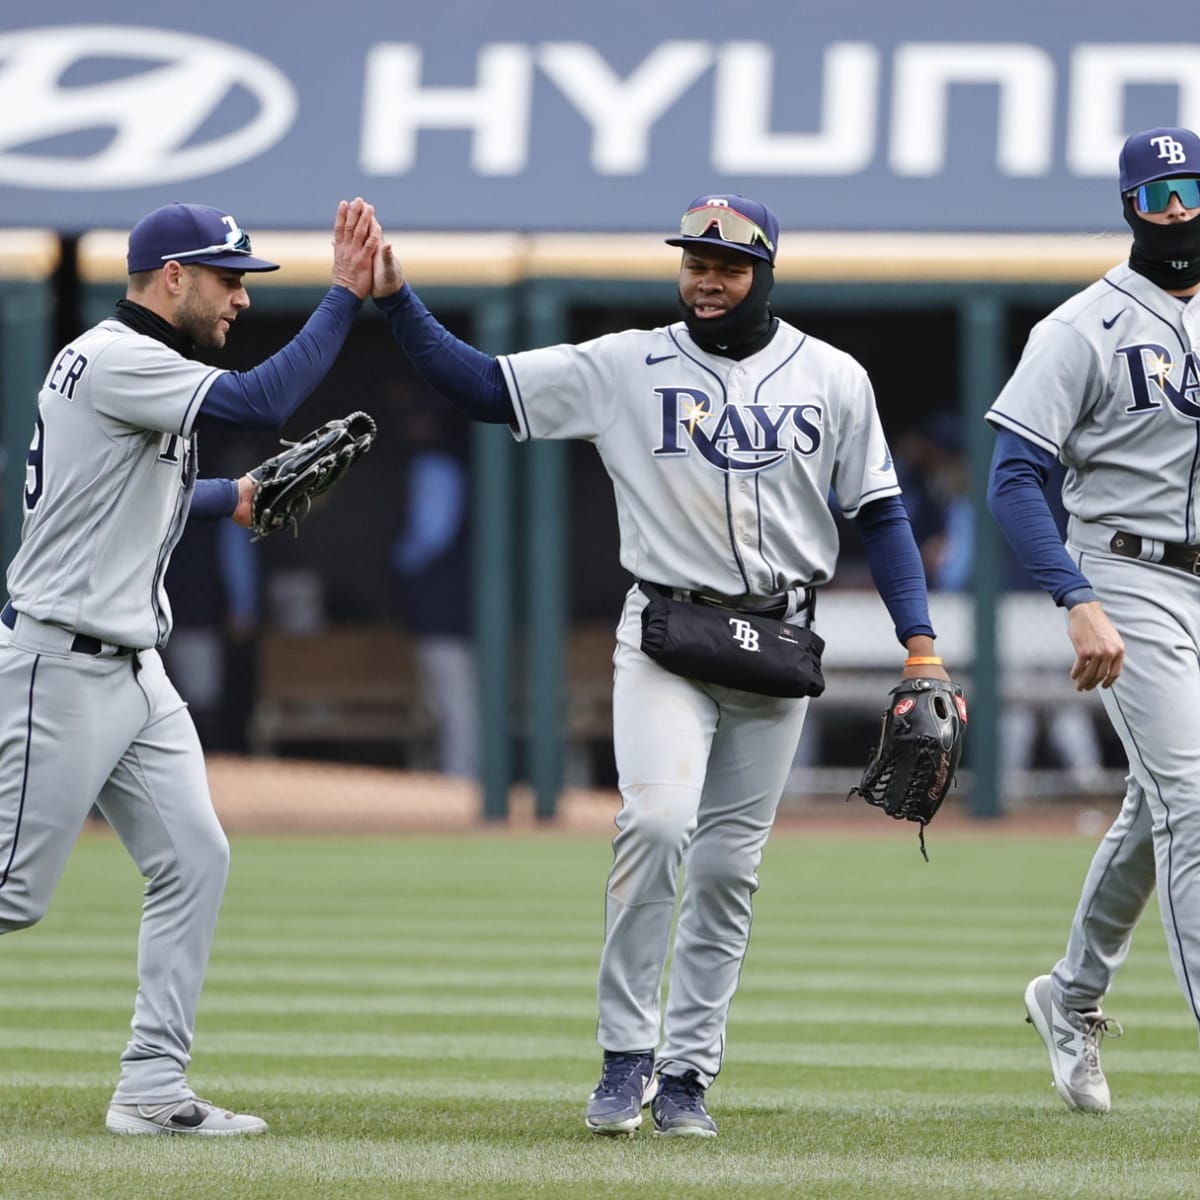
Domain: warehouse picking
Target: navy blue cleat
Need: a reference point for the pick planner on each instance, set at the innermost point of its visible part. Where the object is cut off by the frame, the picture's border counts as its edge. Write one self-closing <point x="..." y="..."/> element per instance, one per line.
<point x="626" y="1086"/>
<point x="678" y="1109"/>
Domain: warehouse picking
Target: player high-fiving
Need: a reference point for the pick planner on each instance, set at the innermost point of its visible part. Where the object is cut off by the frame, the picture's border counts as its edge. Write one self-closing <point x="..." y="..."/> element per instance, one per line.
<point x="87" y="713"/>
<point x="724" y="434"/>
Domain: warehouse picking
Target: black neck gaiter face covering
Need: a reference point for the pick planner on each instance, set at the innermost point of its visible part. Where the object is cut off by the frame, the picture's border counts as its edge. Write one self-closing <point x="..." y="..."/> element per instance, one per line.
<point x="138" y="317"/>
<point x="744" y="329"/>
<point x="1168" y="255"/>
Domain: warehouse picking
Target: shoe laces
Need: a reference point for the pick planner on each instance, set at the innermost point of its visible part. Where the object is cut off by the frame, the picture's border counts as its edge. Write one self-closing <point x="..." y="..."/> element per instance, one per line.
<point x="618" y="1069"/>
<point x="686" y="1091"/>
<point x="1095" y="1029"/>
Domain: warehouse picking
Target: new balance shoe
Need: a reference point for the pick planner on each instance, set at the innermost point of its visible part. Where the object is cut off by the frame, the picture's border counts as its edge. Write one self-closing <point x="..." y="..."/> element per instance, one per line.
<point x="1072" y="1040"/>
<point x="678" y="1109"/>
<point x="626" y="1086"/>
<point x="181" y="1116"/>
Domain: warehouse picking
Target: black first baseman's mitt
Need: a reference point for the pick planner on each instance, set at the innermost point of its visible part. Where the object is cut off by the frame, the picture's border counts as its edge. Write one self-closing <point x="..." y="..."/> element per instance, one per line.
<point x="288" y="481"/>
<point x="920" y="743"/>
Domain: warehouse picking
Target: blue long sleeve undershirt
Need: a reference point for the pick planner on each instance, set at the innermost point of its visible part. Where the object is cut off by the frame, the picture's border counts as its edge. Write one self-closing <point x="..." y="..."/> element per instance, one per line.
<point x="471" y="380"/>
<point x="267" y="395"/>
<point x="1017" y="498"/>
<point x="213" y="498"/>
<point x="895" y="564"/>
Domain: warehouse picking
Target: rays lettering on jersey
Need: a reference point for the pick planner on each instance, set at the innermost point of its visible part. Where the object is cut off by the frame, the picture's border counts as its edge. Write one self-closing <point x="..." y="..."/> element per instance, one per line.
<point x="738" y="437"/>
<point x="1149" y="367"/>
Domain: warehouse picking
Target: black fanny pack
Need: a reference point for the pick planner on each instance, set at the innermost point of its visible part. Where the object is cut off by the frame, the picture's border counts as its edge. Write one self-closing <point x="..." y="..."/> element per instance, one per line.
<point x="731" y="647"/>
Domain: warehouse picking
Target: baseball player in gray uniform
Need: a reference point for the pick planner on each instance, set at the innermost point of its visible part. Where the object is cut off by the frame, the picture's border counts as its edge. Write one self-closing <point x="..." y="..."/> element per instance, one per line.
<point x="87" y="714"/>
<point x="1109" y="384"/>
<point x="724" y="435"/>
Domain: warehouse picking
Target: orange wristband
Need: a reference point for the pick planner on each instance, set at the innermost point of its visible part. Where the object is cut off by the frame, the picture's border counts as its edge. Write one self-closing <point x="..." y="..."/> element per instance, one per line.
<point x="924" y="661"/>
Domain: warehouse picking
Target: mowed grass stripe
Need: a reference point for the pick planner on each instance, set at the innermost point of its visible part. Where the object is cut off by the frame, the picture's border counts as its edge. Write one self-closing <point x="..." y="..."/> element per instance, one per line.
<point x="355" y="1168"/>
<point x="379" y="957"/>
<point x="814" y="988"/>
<point x="416" y="1016"/>
<point x="382" y="1047"/>
<point x="828" y="1013"/>
<point x="399" y="933"/>
<point x="857" y="1092"/>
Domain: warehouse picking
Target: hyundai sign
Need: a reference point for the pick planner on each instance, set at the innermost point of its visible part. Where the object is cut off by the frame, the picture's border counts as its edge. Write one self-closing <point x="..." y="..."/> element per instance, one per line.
<point x="544" y="116"/>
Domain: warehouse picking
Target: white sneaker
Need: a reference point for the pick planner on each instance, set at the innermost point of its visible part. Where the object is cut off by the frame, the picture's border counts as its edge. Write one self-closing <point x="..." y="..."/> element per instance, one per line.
<point x="1072" y="1040"/>
<point x="181" y="1116"/>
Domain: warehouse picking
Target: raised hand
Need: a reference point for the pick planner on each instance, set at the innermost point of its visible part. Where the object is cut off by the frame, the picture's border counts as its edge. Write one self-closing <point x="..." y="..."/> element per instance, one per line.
<point x="356" y="238"/>
<point x="388" y="274"/>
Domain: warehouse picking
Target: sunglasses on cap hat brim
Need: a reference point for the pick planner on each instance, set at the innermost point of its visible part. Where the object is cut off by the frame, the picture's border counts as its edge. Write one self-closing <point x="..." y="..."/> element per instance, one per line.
<point x="731" y="225"/>
<point x="1155" y="196"/>
<point x="237" y="241"/>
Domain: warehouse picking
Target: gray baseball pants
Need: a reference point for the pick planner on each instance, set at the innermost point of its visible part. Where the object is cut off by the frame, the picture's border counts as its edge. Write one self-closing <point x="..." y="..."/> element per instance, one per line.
<point x="77" y="729"/>
<point x="1155" y="840"/>
<point x="701" y="770"/>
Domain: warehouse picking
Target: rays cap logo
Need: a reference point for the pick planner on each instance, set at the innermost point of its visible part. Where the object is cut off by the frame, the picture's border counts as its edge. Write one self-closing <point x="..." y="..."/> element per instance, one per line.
<point x="111" y="106"/>
<point x="191" y="233"/>
<point x="1158" y="154"/>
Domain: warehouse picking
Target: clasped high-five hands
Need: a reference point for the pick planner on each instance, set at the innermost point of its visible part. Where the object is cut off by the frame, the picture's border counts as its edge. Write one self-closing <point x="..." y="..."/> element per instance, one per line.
<point x="363" y="260"/>
<point x="357" y="237"/>
<point x="389" y="277"/>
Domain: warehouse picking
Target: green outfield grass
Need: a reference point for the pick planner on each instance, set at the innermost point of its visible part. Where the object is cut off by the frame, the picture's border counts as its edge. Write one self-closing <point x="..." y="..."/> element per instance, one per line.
<point x="415" y="1017"/>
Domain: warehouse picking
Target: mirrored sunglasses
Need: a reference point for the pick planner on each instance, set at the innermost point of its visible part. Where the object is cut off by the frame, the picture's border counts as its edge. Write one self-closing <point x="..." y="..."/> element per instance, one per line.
<point x="237" y="241"/>
<point x="1155" y="197"/>
<point x="731" y="225"/>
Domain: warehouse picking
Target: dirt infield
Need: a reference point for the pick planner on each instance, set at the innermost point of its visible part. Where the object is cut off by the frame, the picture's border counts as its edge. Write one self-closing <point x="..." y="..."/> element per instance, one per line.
<point x="255" y="794"/>
<point x="295" y="794"/>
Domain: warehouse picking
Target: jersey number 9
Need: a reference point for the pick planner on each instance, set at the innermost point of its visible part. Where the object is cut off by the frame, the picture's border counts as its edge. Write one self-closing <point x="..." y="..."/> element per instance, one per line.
<point x="33" y="466"/>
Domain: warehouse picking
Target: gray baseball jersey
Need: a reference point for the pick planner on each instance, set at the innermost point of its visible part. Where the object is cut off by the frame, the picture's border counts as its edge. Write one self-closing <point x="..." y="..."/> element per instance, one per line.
<point x="110" y="477"/>
<point x="722" y="472"/>
<point x="87" y="713"/>
<point x="721" y="469"/>
<point x="1110" y="382"/>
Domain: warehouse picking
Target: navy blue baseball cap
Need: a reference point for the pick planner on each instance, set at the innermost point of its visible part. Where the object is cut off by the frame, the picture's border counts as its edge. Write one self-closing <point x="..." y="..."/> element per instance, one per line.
<point x="1158" y="154"/>
<point x="735" y="221"/>
<point x="191" y="233"/>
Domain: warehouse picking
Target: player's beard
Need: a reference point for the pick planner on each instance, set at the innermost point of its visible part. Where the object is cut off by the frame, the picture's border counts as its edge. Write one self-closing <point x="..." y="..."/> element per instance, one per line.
<point x="744" y="329"/>
<point x="1168" y="255"/>
<point x="202" y="328"/>
<point x="199" y="314"/>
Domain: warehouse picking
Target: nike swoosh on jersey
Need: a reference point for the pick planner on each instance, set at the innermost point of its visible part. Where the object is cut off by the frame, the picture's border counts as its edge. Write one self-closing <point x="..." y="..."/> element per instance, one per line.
<point x="1111" y="320"/>
<point x="651" y="359"/>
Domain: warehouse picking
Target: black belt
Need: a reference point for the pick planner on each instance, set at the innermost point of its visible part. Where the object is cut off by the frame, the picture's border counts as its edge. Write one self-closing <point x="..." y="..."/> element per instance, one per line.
<point x="84" y="643"/>
<point x="1181" y="557"/>
<point x="760" y="606"/>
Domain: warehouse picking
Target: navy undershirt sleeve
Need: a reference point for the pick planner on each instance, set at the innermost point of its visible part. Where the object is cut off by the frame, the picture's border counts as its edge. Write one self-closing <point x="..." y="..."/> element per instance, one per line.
<point x="1017" y="497"/>
<point x="895" y="564"/>
<point x="214" y="498"/>
<point x="264" y="397"/>
<point x="471" y="380"/>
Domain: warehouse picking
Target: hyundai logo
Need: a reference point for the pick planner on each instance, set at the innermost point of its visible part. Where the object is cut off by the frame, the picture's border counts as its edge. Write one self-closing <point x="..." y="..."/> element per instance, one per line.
<point x="109" y="106"/>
